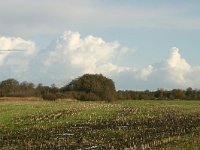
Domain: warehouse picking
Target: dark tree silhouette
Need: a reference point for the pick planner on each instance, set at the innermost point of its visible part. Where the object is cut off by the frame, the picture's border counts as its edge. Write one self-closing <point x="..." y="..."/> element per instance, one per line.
<point x="9" y="87"/>
<point x="95" y="85"/>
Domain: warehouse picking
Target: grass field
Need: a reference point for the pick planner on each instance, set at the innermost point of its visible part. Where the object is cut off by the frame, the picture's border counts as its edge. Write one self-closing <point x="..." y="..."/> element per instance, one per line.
<point x="149" y="124"/>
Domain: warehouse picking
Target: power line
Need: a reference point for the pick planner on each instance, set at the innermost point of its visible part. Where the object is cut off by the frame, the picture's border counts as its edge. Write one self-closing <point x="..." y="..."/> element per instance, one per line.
<point x="3" y="51"/>
<point x="8" y="50"/>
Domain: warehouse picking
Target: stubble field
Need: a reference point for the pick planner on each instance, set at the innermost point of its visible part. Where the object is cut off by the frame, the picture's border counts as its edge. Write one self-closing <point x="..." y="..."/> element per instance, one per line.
<point x="69" y="124"/>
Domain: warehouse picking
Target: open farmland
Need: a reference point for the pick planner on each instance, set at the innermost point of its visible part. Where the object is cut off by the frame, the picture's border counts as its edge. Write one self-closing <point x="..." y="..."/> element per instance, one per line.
<point x="36" y="124"/>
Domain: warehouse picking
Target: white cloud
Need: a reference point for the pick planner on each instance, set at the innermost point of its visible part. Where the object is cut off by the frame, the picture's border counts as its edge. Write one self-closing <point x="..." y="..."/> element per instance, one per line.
<point x="110" y="69"/>
<point x="177" y="67"/>
<point x="176" y="62"/>
<point x="174" y="72"/>
<point x="144" y="73"/>
<point x="15" y="64"/>
<point x="88" y="53"/>
<point x="7" y="44"/>
<point x="72" y="55"/>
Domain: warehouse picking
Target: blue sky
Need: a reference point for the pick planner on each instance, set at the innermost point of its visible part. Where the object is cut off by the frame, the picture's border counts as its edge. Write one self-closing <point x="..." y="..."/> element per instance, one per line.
<point x="138" y="42"/>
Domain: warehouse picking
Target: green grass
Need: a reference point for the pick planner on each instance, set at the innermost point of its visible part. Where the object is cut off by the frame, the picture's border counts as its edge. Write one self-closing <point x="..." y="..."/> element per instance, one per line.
<point x="11" y="113"/>
<point x="135" y="124"/>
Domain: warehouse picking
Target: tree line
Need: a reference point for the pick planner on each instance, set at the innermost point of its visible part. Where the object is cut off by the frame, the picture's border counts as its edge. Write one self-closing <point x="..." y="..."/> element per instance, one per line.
<point x="87" y="87"/>
<point x="160" y="94"/>
<point x="90" y="87"/>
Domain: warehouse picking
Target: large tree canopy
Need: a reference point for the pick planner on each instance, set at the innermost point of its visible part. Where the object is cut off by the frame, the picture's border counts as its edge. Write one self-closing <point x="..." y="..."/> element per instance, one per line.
<point x="95" y="85"/>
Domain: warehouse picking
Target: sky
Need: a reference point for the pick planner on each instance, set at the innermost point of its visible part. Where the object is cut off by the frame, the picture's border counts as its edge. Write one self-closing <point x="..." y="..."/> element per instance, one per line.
<point x="139" y="44"/>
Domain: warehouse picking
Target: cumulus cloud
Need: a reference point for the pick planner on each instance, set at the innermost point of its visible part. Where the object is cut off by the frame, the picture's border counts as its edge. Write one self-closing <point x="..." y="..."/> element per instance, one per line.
<point x="15" y="56"/>
<point x="144" y="73"/>
<point x="174" y="72"/>
<point x="89" y="54"/>
<point x="177" y="67"/>
<point x="7" y="44"/>
<point x="72" y="55"/>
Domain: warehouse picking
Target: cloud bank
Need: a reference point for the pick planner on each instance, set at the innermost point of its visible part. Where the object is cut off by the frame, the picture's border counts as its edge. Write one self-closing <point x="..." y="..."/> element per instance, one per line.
<point x="50" y="16"/>
<point x="72" y="55"/>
